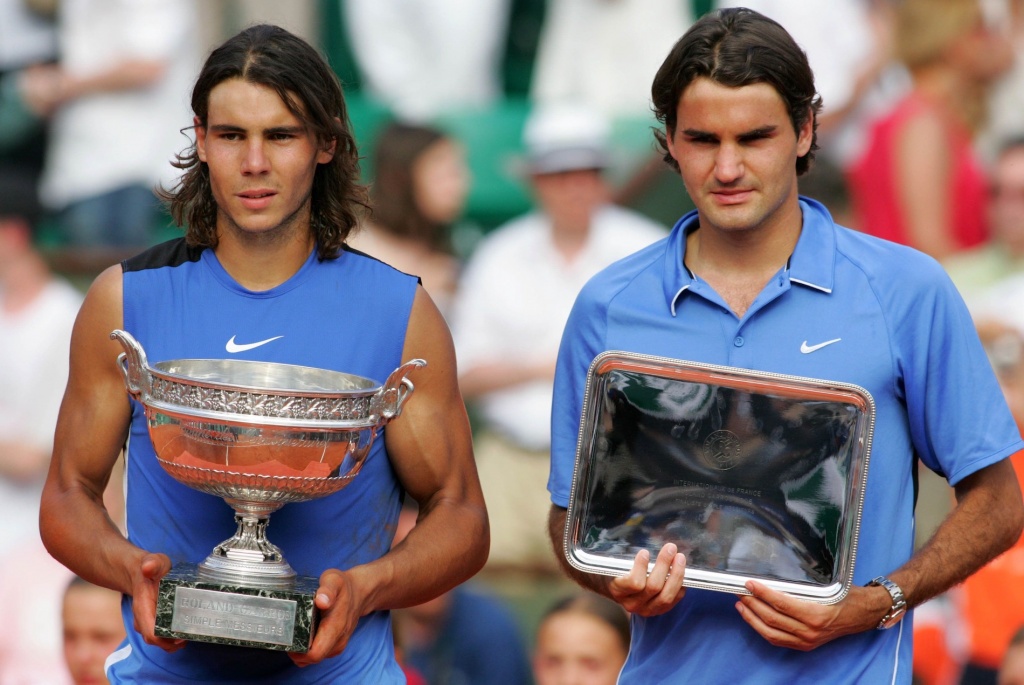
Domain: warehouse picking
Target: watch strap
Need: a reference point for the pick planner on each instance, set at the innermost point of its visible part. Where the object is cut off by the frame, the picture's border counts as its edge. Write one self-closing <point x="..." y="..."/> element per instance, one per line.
<point x="899" y="602"/>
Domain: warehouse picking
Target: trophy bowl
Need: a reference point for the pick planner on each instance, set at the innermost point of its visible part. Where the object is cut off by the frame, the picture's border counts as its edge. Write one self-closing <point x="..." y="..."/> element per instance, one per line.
<point x="258" y="435"/>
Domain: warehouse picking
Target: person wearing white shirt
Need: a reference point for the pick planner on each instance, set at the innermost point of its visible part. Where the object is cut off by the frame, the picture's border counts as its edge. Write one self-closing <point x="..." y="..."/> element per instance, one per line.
<point x="510" y="308"/>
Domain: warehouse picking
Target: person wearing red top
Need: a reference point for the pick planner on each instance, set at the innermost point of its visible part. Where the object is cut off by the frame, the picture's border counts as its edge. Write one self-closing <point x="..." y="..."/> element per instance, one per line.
<point x="918" y="181"/>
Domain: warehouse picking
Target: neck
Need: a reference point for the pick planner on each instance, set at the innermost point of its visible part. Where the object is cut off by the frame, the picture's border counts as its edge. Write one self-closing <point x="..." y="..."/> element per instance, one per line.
<point x="745" y="252"/>
<point x="260" y="262"/>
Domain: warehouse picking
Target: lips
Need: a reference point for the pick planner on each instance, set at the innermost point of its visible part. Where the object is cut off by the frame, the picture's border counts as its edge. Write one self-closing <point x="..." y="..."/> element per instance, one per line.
<point x="256" y="199"/>
<point x="731" y="197"/>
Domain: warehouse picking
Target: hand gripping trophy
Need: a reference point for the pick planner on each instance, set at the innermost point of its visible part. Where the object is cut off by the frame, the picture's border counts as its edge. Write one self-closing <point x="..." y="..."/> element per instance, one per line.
<point x="260" y="435"/>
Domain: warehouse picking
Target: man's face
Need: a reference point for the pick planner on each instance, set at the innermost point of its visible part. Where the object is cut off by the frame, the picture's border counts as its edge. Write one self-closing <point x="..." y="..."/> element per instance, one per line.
<point x="577" y="649"/>
<point x="1006" y="206"/>
<point x="570" y="197"/>
<point x="737" y="153"/>
<point x="261" y="157"/>
<point x="93" y="629"/>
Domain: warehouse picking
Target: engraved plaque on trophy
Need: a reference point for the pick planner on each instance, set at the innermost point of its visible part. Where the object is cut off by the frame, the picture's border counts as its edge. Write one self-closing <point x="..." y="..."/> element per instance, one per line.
<point x="258" y="435"/>
<point x="752" y="475"/>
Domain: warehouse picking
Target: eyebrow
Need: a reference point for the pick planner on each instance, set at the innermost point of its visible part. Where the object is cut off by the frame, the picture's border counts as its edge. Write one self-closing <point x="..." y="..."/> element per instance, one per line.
<point x="753" y="133"/>
<point x="274" y="130"/>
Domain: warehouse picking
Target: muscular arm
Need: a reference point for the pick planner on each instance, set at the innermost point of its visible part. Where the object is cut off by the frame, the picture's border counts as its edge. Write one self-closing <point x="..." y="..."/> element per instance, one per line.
<point x="987" y="520"/>
<point x="92" y="427"/>
<point x="431" y="450"/>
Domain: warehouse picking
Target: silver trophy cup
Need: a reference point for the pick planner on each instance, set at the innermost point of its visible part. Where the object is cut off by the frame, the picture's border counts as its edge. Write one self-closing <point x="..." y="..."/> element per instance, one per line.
<point x="259" y="435"/>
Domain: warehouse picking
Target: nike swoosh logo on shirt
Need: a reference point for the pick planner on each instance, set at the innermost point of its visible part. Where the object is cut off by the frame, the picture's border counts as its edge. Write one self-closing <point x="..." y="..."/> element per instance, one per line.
<point x="234" y="347"/>
<point x="807" y="349"/>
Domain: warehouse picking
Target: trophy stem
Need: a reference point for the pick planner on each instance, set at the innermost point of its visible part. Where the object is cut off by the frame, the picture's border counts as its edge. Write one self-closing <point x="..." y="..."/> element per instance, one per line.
<point x="248" y="556"/>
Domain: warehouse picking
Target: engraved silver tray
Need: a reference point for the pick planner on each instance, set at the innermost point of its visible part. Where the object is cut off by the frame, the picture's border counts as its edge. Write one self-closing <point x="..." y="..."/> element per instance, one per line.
<point x="753" y="475"/>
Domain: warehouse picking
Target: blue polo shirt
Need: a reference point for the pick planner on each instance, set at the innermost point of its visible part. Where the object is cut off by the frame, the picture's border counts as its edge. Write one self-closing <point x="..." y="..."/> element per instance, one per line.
<point x="894" y="324"/>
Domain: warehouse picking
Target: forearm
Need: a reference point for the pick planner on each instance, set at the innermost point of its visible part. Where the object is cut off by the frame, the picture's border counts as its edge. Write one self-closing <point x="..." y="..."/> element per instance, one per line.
<point x="588" y="581"/>
<point x="446" y="547"/>
<point x="22" y="462"/>
<point x="986" y="520"/>
<point x="489" y="377"/>
<point x="78" y="532"/>
<point x="127" y="75"/>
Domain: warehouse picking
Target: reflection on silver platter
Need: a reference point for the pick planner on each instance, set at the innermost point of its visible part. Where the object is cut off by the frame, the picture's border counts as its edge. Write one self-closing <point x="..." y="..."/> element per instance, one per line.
<point x="752" y="475"/>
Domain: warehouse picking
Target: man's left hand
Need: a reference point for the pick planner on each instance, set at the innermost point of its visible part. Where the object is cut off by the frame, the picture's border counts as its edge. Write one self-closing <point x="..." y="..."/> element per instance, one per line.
<point x="786" y="621"/>
<point x="339" y="614"/>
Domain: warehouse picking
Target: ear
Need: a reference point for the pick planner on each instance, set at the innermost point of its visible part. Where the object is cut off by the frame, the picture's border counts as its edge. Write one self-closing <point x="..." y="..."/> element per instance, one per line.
<point x="670" y="144"/>
<point x="326" y="153"/>
<point x="200" y="139"/>
<point x="805" y="136"/>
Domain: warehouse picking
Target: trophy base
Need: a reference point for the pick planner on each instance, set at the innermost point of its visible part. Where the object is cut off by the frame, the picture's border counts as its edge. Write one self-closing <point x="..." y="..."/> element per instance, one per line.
<point x="193" y="607"/>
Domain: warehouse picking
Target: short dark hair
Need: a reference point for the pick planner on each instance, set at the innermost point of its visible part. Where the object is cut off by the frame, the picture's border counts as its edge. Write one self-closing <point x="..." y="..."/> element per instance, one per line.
<point x="271" y="56"/>
<point x="737" y="47"/>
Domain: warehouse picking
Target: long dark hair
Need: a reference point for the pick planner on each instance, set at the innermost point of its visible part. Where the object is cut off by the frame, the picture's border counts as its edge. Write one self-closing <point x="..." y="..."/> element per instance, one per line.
<point x="738" y="47"/>
<point x="271" y="56"/>
<point x="393" y="191"/>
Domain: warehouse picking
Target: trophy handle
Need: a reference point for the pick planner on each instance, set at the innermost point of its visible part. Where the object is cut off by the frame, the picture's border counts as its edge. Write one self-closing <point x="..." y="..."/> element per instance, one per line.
<point x="397" y="389"/>
<point x="132" y="363"/>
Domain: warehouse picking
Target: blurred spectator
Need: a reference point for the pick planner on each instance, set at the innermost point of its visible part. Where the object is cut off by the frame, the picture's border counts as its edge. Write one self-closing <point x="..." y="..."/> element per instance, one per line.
<point x="93" y="629"/>
<point x="463" y="637"/>
<point x="37" y="311"/>
<point x="919" y="181"/>
<point x="604" y="53"/>
<point x="978" y="269"/>
<point x="119" y="104"/>
<point x="27" y="39"/>
<point x="1011" y="671"/>
<point x="32" y="585"/>
<point x="513" y="301"/>
<point x="969" y="629"/>
<point x="582" y="640"/>
<point x="423" y="57"/>
<point x="1006" y="101"/>
<point x="993" y="598"/>
<point x="419" y="189"/>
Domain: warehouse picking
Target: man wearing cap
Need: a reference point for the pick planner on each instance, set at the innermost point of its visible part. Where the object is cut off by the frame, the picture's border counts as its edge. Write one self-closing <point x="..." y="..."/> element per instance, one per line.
<point x="513" y="301"/>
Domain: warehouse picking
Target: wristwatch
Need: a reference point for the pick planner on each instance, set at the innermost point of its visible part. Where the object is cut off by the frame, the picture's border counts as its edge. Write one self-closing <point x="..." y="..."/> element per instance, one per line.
<point x="899" y="602"/>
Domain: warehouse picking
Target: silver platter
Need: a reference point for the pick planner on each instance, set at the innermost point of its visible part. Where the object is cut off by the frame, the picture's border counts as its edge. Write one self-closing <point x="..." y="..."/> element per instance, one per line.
<point x="752" y="475"/>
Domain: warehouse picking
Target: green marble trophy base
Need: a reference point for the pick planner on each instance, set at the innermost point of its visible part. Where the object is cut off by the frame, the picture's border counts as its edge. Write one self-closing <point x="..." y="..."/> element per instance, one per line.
<point x="191" y="607"/>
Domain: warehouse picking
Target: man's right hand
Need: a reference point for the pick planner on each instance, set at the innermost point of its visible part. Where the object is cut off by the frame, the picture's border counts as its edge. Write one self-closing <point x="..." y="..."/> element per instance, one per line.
<point x="650" y="594"/>
<point x="145" y="589"/>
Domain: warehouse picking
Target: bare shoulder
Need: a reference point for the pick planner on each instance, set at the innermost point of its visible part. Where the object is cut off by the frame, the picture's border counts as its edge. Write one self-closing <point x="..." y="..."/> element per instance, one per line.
<point x="428" y="337"/>
<point x="101" y="313"/>
<point x="430" y="444"/>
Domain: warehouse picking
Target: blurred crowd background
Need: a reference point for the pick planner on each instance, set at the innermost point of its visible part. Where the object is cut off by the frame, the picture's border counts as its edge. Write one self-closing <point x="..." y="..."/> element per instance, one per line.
<point x="508" y="149"/>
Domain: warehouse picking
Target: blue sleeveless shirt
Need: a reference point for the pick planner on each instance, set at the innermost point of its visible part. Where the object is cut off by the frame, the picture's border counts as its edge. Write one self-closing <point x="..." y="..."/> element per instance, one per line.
<point x="348" y="314"/>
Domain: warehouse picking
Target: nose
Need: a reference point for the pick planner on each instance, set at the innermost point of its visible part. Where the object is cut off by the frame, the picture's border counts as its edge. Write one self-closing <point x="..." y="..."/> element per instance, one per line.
<point x="728" y="164"/>
<point x="255" y="160"/>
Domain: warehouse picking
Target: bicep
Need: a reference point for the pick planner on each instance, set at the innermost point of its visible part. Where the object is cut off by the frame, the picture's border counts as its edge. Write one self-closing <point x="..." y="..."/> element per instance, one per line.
<point x="95" y="412"/>
<point x="430" y="443"/>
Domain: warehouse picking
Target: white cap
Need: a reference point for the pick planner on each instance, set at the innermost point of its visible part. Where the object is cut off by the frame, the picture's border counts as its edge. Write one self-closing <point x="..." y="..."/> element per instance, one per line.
<point x="565" y="137"/>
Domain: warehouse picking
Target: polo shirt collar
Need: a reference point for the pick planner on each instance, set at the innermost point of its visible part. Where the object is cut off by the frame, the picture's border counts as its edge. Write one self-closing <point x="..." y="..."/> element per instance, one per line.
<point x="812" y="264"/>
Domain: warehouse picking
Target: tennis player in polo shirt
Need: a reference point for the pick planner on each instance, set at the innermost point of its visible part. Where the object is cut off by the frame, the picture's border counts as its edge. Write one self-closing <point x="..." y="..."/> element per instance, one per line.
<point x="758" y="277"/>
